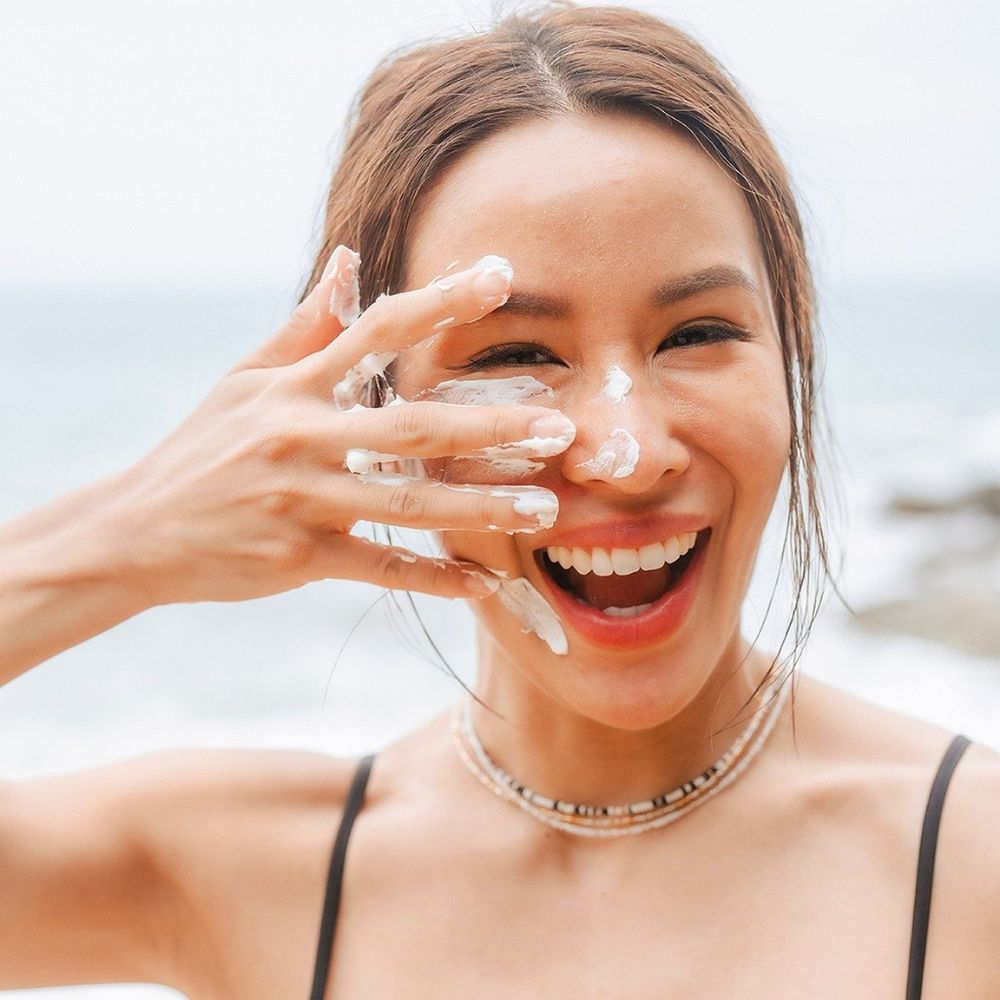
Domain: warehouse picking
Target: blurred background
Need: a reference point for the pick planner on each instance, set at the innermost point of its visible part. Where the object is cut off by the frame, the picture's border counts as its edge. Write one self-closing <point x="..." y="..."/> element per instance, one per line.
<point x="160" y="191"/>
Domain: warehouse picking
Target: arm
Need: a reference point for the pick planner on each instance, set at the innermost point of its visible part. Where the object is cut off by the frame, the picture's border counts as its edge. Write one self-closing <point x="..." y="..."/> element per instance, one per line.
<point x="62" y="580"/>
<point x="163" y="868"/>
<point x="82" y="899"/>
<point x="99" y="870"/>
<point x="249" y="496"/>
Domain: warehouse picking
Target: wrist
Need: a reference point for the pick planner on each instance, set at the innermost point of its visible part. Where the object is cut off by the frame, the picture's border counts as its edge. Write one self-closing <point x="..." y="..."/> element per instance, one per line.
<point x="85" y="540"/>
<point x="65" y="576"/>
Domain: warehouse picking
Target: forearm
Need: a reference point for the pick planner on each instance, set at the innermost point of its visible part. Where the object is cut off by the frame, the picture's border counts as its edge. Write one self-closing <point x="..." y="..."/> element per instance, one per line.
<point x="64" y="576"/>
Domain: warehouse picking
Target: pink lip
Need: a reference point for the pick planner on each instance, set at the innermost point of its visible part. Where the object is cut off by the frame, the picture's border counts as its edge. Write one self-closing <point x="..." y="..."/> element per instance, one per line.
<point x="631" y="534"/>
<point x="656" y="622"/>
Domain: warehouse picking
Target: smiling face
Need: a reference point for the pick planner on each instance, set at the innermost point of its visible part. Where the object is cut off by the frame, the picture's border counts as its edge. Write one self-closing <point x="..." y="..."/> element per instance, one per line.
<point x="635" y="255"/>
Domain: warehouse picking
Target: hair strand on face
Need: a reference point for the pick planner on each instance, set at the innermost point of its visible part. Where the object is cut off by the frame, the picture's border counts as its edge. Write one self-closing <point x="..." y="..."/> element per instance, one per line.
<point x="426" y="104"/>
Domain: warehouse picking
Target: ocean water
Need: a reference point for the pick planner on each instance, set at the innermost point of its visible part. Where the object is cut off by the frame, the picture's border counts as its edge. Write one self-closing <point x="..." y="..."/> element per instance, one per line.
<point x="91" y="379"/>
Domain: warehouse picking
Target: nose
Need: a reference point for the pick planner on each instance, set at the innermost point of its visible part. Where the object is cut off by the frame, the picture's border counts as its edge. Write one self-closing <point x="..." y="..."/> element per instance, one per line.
<point x="629" y="442"/>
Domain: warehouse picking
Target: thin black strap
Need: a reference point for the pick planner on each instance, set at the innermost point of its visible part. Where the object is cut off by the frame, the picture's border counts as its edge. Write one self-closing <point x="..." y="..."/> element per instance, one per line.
<point x="925" y="866"/>
<point x="331" y="904"/>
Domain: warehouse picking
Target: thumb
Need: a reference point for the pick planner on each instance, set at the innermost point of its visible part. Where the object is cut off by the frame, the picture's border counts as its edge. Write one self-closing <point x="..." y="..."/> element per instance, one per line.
<point x="331" y="306"/>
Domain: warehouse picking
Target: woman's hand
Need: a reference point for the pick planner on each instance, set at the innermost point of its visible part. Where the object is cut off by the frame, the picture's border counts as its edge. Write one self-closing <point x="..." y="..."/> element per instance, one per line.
<point x="250" y="496"/>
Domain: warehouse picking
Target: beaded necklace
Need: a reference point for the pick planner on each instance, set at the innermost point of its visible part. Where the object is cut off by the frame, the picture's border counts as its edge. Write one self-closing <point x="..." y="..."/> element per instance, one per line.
<point x="615" y="821"/>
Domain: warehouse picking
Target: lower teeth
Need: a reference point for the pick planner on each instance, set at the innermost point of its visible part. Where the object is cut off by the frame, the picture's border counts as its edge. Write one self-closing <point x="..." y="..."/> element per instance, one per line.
<point x="627" y="612"/>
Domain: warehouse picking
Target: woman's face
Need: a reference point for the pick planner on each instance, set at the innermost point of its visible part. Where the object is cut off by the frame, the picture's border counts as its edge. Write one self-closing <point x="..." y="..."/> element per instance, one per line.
<point x="634" y="253"/>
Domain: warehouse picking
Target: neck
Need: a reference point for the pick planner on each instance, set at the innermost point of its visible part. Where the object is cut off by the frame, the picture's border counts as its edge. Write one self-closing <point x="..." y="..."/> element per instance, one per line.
<point x="558" y="750"/>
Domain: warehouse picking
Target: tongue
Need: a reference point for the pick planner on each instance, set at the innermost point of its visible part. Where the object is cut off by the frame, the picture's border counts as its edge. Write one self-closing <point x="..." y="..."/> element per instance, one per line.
<point x="603" y="592"/>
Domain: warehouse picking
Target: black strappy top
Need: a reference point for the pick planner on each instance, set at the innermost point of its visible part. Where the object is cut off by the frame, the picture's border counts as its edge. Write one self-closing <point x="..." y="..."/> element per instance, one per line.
<point x="921" y="902"/>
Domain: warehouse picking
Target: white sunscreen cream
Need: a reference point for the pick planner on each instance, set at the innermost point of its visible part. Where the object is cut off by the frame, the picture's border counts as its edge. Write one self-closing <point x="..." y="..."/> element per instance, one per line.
<point x="350" y="390"/>
<point x="532" y="501"/>
<point x="616" y="384"/>
<point x="362" y="460"/>
<point x="617" y="457"/>
<point x="487" y="391"/>
<point x="535" y="613"/>
<point x="345" y="296"/>
<point x="512" y="459"/>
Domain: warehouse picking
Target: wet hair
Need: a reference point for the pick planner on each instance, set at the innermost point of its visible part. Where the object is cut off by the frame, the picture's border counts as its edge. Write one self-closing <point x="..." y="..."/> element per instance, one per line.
<point x="425" y="104"/>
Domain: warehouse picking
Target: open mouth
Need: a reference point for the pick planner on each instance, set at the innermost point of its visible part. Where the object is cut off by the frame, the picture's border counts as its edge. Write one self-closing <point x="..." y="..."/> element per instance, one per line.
<point x="622" y="583"/>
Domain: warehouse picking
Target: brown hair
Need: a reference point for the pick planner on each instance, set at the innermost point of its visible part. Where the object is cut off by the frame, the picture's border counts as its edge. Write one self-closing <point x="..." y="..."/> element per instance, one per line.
<point x="424" y="105"/>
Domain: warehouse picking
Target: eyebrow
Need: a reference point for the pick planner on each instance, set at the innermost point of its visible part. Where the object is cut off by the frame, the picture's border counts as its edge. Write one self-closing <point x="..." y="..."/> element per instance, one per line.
<point x="668" y="293"/>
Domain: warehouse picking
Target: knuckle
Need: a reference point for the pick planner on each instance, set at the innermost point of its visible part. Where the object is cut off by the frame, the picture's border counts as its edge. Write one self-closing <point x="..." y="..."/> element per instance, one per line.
<point x="405" y="503"/>
<point x="411" y="426"/>
<point x="276" y="445"/>
<point x="445" y="293"/>
<point x="492" y="510"/>
<point x="498" y="429"/>
<point x="390" y="568"/>
<point x="291" y="555"/>
<point x="281" y="502"/>
<point x="384" y="313"/>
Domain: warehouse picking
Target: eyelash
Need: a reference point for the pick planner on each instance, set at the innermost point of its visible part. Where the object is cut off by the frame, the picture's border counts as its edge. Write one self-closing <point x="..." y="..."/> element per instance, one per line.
<point x="503" y="354"/>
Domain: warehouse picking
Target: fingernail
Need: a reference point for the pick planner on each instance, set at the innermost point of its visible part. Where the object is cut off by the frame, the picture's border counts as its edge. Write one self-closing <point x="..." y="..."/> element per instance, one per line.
<point x="553" y="425"/>
<point x="538" y="503"/>
<point x="495" y="279"/>
<point x="479" y="583"/>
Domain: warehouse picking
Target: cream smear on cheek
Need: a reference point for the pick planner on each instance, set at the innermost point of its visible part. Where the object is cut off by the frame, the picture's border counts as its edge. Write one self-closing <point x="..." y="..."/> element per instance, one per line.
<point x="512" y="459"/>
<point x="488" y="391"/>
<point x="535" y="613"/>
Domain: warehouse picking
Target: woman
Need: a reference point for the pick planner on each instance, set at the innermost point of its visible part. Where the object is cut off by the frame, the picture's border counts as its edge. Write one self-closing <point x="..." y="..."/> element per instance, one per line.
<point x="577" y="216"/>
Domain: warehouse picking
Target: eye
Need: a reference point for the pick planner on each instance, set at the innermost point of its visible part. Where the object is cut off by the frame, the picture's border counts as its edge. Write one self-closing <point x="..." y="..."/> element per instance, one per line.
<point x="511" y="355"/>
<point x="705" y="333"/>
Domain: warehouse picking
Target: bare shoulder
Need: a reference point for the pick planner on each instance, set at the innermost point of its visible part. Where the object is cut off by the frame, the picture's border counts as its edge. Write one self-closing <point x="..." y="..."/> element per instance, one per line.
<point x="146" y="869"/>
<point x="242" y="837"/>
<point x="877" y="765"/>
<point x="215" y="778"/>
<point x="966" y="897"/>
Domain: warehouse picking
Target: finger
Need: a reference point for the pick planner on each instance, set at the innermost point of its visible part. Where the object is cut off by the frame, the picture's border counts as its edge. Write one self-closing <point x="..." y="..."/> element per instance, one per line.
<point x="394" y="322"/>
<point x="318" y="319"/>
<point x="391" y="498"/>
<point x="399" y="569"/>
<point x="435" y="430"/>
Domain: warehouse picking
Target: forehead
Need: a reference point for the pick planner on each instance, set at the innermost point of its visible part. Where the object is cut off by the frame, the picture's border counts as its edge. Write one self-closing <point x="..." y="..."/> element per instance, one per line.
<point x="608" y="195"/>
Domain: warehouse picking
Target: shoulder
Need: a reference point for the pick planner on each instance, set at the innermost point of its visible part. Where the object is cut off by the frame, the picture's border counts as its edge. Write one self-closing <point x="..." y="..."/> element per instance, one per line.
<point x="196" y="807"/>
<point x="143" y="869"/>
<point x="227" y="779"/>
<point x="240" y="838"/>
<point x="871" y="768"/>
<point x="965" y="914"/>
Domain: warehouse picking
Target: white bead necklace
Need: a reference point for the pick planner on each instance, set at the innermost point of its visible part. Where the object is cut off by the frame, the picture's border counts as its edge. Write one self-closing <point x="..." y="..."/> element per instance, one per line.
<point x="615" y="821"/>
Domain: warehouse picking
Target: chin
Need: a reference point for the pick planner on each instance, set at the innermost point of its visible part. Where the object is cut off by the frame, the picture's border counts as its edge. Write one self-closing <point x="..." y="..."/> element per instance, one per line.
<point x="632" y="691"/>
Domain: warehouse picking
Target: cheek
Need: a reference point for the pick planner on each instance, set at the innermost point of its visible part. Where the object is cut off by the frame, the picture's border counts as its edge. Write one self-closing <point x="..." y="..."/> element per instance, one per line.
<point x="740" y="417"/>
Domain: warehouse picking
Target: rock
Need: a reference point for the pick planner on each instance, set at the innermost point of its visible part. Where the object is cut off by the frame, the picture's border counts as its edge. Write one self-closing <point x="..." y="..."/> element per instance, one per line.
<point x="954" y="592"/>
<point x="969" y="621"/>
<point x="981" y="499"/>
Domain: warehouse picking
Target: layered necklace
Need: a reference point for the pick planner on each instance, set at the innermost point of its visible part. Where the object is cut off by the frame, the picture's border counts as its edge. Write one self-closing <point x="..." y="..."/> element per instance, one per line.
<point x="616" y="821"/>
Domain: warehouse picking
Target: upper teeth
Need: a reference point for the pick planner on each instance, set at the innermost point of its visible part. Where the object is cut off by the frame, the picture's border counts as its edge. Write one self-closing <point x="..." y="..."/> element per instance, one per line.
<point x="622" y="562"/>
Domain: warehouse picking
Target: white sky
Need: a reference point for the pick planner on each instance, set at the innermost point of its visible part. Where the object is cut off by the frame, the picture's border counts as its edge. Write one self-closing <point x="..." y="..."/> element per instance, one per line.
<point x="189" y="141"/>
